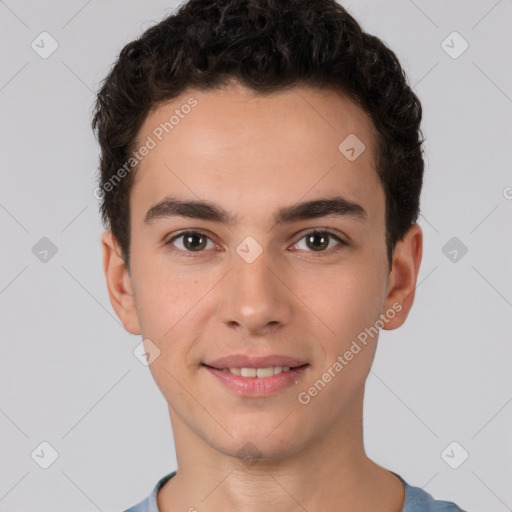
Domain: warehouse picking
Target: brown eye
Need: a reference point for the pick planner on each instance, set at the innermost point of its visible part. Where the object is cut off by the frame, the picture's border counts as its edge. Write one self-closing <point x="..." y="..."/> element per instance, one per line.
<point x="194" y="241"/>
<point x="317" y="241"/>
<point x="191" y="242"/>
<point x="320" y="241"/>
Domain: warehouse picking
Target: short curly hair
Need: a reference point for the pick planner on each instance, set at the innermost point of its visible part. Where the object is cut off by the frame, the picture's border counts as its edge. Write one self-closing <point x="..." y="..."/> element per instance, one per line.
<point x="268" y="46"/>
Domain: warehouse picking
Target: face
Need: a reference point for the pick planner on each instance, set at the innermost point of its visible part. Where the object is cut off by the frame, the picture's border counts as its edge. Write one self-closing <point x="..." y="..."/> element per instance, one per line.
<point x="263" y="285"/>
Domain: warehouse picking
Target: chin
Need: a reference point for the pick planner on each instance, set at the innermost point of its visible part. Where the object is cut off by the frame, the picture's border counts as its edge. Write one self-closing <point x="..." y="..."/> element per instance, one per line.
<point x="258" y="446"/>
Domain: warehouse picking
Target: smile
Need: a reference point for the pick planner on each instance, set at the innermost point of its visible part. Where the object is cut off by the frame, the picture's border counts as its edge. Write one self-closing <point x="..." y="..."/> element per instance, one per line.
<point x="258" y="382"/>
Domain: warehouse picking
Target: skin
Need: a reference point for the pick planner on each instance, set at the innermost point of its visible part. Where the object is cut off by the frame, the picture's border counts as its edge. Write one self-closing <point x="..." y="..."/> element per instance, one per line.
<point x="252" y="155"/>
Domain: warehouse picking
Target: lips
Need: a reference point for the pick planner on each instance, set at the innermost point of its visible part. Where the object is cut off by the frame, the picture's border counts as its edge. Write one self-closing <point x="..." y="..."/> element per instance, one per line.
<point x="262" y="382"/>
<point x="244" y="361"/>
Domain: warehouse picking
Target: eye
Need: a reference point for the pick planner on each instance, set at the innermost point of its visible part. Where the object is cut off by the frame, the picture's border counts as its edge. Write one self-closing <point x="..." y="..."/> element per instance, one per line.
<point x="192" y="242"/>
<point x="197" y="242"/>
<point x="319" y="241"/>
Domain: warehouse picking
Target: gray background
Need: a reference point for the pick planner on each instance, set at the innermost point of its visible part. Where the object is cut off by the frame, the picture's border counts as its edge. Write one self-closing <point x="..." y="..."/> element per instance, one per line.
<point x="68" y="374"/>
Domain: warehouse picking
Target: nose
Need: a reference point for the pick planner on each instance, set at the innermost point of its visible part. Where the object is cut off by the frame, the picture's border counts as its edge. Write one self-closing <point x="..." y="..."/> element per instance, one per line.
<point x="255" y="297"/>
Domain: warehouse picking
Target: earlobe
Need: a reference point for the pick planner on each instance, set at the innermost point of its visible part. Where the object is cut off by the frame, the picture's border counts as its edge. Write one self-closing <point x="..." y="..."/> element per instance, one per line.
<point x="402" y="279"/>
<point x="119" y="283"/>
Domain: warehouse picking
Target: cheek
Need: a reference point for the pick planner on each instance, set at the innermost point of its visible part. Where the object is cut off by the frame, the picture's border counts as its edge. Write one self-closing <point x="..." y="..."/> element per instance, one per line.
<point x="347" y="304"/>
<point x="163" y="295"/>
<point x="173" y="304"/>
<point x="346" y="298"/>
<point x="168" y="305"/>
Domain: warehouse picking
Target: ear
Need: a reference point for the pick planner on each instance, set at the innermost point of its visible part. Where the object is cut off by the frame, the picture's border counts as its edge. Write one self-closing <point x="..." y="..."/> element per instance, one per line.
<point x="119" y="283"/>
<point x="402" y="278"/>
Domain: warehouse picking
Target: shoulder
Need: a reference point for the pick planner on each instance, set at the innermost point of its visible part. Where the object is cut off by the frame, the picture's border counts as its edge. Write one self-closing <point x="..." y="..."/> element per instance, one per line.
<point x="149" y="503"/>
<point x="418" y="500"/>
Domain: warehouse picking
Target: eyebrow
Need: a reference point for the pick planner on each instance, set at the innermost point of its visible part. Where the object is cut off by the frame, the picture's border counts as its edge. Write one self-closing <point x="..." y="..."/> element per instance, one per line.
<point x="204" y="210"/>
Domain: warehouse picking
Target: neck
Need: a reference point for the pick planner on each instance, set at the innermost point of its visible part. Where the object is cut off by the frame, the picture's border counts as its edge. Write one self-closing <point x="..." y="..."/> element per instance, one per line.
<point x="331" y="473"/>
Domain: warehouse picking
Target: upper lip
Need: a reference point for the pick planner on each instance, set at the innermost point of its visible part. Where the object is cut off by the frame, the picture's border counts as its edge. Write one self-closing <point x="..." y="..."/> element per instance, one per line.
<point x="243" y="361"/>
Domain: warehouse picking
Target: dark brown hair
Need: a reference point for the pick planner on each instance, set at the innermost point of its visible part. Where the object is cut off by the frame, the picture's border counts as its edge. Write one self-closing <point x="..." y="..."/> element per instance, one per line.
<point x="268" y="46"/>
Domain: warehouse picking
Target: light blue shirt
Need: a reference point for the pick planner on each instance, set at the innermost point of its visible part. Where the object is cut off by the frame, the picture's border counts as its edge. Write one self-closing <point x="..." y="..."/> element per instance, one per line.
<point x="416" y="499"/>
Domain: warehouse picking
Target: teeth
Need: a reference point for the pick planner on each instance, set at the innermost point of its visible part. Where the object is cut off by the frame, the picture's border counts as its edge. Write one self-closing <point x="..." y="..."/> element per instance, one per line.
<point x="259" y="372"/>
<point x="248" y="372"/>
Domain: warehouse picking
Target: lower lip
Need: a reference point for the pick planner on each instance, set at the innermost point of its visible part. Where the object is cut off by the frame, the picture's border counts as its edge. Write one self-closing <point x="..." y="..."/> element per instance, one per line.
<point x="258" y="386"/>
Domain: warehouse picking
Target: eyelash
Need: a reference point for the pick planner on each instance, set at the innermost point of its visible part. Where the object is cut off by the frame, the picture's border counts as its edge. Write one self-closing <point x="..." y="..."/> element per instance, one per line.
<point x="192" y="254"/>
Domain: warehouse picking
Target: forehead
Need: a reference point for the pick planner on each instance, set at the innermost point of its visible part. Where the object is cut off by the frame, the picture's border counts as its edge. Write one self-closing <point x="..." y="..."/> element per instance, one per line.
<point x="293" y="143"/>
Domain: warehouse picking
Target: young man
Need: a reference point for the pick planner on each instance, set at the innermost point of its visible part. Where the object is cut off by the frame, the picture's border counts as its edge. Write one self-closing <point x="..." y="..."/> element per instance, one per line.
<point x="261" y="169"/>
